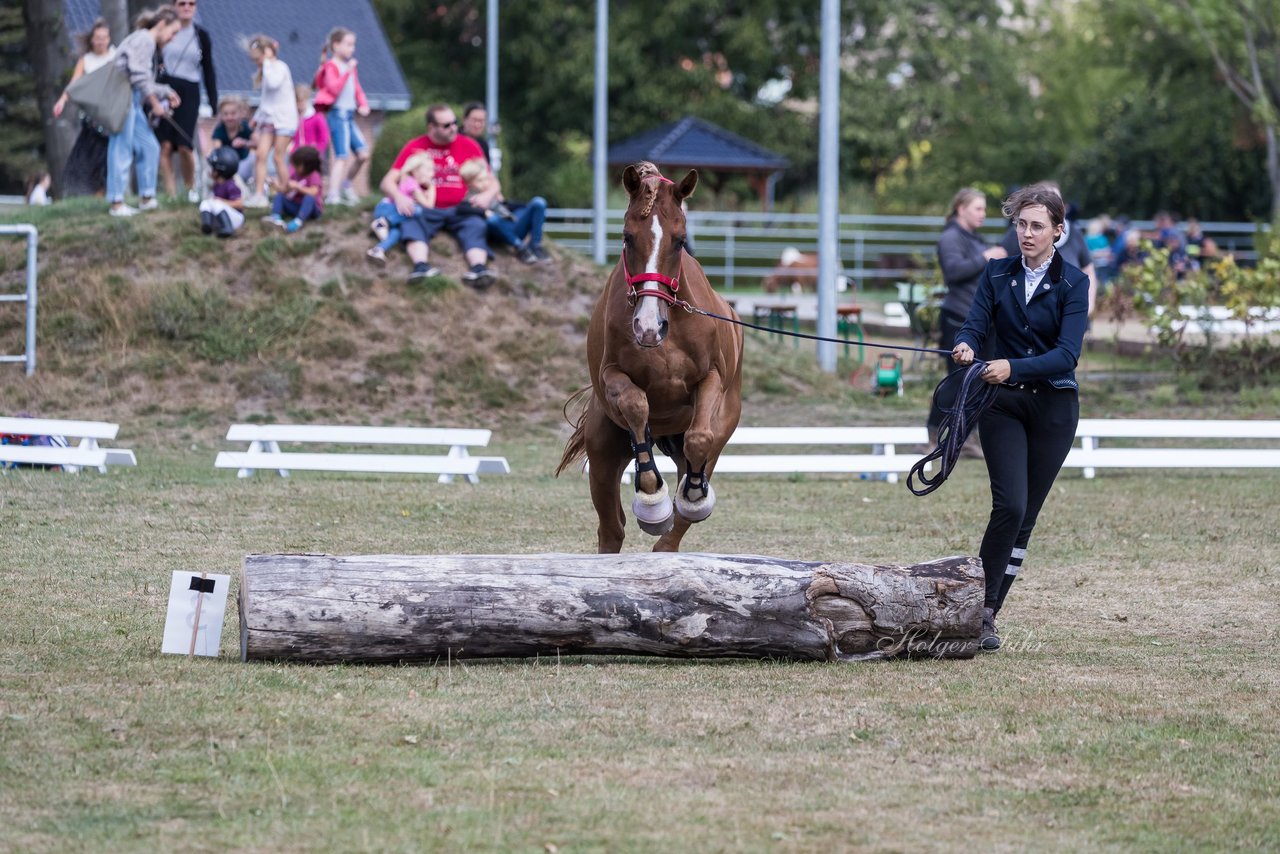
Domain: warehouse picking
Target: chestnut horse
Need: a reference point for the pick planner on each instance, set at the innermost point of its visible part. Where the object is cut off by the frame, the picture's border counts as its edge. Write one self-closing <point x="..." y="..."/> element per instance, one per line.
<point x="660" y="373"/>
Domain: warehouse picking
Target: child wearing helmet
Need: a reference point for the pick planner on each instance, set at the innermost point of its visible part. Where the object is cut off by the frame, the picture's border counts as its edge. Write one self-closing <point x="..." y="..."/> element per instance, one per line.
<point x="223" y="212"/>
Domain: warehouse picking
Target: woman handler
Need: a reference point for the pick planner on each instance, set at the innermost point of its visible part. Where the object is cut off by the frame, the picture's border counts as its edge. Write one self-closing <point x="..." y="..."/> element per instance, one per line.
<point x="1034" y="307"/>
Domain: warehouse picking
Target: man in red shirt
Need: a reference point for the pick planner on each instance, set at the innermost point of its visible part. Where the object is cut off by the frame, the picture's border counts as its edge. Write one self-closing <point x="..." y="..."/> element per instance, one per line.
<point x="466" y="224"/>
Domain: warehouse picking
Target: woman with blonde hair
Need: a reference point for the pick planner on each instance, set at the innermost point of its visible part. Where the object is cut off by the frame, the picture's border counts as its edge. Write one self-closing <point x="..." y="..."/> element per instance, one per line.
<point x="962" y="256"/>
<point x="86" y="171"/>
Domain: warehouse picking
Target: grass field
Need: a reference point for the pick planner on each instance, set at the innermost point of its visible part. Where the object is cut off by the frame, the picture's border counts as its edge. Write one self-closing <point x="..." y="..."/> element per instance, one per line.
<point x="1132" y="709"/>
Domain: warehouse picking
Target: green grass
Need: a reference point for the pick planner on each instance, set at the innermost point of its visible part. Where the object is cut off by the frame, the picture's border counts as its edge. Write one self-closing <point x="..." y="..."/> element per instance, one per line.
<point x="1132" y="709"/>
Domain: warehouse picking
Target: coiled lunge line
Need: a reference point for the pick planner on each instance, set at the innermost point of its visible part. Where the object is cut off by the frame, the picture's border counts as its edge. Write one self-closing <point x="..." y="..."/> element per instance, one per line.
<point x="974" y="397"/>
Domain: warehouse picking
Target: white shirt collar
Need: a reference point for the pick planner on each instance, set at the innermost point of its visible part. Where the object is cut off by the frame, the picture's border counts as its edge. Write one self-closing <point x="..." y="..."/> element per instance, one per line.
<point x="1034" y="277"/>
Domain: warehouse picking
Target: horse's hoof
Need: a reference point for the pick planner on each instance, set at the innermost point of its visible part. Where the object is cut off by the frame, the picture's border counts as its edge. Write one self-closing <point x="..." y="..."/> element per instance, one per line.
<point x="654" y="513"/>
<point x="695" y="511"/>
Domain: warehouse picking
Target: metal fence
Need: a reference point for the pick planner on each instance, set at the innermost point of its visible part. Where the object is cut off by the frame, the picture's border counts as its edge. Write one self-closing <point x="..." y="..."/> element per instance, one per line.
<point x="29" y="297"/>
<point x="739" y="250"/>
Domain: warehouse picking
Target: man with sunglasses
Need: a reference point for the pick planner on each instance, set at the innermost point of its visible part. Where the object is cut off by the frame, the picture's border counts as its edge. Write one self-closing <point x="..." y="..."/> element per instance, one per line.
<point x="466" y="224"/>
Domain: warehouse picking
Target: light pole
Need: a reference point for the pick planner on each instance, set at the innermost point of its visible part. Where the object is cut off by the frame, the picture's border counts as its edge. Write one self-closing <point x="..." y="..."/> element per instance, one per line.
<point x="601" y="137"/>
<point x="828" y="183"/>
<point x="491" y="82"/>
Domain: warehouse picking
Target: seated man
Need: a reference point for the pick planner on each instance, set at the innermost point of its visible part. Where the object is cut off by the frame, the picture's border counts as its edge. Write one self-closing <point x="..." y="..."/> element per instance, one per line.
<point x="467" y="225"/>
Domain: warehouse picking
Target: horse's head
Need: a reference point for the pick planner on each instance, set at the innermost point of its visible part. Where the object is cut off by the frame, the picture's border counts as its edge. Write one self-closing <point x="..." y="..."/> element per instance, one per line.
<point x="653" y="243"/>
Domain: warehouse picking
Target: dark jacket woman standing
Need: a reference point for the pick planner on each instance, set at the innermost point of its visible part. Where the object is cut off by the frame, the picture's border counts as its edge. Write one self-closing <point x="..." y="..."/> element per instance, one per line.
<point x="962" y="256"/>
<point x="1033" y="308"/>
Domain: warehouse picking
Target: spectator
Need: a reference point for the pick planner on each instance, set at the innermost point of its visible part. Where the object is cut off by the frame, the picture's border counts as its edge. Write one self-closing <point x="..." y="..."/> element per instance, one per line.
<point x="86" y="170"/>
<point x="338" y="92"/>
<point x="1071" y="244"/>
<point x="313" y="130"/>
<point x="419" y="184"/>
<point x="276" y="120"/>
<point x="135" y="147"/>
<point x="1099" y="247"/>
<point x="233" y="131"/>
<point x="1180" y="262"/>
<point x="299" y="196"/>
<point x="1131" y="251"/>
<point x="38" y="189"/>
<point x="475" y="124"/>
<point x="187" y="59"/>
<point x="1200" y="246"/>
<point x="449" y="151"/>
<point x="962" y="257"/>
<point x="224" y="212"/>
<point x="522" y="231"/>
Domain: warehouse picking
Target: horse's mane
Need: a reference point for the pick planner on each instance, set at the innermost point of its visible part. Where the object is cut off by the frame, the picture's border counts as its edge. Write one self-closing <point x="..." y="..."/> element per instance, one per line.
<point x="650" y="178"/>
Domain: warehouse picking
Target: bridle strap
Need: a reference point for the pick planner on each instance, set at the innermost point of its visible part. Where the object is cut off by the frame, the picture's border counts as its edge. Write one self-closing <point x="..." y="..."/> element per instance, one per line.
<point x="672" y="283"/>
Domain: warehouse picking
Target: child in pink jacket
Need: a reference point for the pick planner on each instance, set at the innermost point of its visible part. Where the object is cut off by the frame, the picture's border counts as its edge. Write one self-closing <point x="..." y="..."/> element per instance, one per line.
<point x="340" y="96"/>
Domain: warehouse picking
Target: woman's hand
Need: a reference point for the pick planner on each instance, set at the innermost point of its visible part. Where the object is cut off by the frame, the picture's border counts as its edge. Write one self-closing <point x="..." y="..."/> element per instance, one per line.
<point x="962" y="354"/>
<point x="364" y="111"/>
<point x="59" y="105"/>
<point x="994" y="252"/>
<point x="997" y="371"/>
<point x="174" y="101"/>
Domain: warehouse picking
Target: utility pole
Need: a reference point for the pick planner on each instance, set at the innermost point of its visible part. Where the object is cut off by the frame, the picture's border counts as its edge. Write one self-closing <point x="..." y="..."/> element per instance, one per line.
<point x="828" y="183"/>
<point x="601" y="138"/>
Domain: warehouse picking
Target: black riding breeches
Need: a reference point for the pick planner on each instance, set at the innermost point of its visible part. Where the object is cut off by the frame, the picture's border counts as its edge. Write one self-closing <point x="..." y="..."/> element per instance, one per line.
<point x="1026" y="435"/>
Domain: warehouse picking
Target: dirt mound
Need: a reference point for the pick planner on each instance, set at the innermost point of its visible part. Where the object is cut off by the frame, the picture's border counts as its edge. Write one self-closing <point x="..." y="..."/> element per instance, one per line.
<point x="147" y="317"/>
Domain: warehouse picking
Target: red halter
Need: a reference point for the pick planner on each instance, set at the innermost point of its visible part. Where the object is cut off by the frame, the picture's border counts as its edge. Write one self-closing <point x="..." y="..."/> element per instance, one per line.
<point x="666" y="281"/>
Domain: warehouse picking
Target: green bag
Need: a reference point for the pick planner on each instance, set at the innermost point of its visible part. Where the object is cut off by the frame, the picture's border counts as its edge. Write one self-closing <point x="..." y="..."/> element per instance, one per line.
<point x="105" y="96"/>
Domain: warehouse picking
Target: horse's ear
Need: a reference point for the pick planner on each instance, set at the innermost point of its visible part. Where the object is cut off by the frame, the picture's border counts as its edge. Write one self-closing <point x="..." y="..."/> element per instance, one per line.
<point x="631" y="180"/>
<point x="685" y="188"/>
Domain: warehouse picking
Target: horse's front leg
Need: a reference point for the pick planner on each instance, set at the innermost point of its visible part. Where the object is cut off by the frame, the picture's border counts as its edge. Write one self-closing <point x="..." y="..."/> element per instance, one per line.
<point x="703" y="441"/>
<point x="651" y="505"/>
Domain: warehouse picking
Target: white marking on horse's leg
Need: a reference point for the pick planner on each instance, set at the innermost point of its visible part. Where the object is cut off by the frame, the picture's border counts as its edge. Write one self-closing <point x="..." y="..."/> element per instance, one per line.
<point x="646" y="316"/>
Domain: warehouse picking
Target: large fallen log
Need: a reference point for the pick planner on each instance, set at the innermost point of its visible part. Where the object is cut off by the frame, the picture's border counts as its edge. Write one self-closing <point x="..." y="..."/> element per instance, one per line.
<point x="389" y="608"/>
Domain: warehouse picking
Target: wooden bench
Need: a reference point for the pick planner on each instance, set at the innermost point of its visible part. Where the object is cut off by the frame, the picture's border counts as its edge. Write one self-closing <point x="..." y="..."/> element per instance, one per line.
<point x="883" y="459"/>
<point x="1090" y="456"/>
<point x="85" y="454"/>
<point x="264" y="450"/>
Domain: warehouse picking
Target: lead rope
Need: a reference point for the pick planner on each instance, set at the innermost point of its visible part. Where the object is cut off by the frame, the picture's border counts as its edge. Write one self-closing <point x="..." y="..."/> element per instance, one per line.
<point x="974" y="398"/>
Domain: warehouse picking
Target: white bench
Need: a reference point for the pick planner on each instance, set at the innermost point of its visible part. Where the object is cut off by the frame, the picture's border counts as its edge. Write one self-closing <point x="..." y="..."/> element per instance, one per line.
<point x="264" y="450"/>
<point x="883" y="459"/>
<point x="86" y="453"/>
<point x="1090" y="456"/>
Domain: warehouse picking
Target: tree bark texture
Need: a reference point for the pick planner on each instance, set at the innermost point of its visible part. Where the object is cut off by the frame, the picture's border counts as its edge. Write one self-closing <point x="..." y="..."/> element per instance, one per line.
<point x="391" y="608"/>
<point x="51" y="65"/>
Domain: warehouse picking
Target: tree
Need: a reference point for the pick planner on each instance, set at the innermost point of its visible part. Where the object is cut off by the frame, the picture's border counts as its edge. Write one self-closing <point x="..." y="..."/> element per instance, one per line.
<point x="46" y="39"/>
<point x="20" y="136"/>
<point x="1242" y="38"/>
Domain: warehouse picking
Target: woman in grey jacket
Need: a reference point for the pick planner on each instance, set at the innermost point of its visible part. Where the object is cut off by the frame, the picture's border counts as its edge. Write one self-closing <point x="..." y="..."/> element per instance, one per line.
<point x="962" y="255"/>
<point x="135" y="146"/>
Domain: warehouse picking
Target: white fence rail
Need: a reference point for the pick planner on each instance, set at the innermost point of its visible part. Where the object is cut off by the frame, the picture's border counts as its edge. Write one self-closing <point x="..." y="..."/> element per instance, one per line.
<point x="740" y="249"/>
<point x="28" y="357"/>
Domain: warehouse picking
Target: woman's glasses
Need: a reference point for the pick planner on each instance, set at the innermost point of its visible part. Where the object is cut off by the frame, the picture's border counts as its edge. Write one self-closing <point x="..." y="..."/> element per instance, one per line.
<point x="1035" y="229"/>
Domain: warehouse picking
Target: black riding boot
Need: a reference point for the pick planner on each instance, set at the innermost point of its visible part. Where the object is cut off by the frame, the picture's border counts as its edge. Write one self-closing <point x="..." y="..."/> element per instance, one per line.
<point x="225" y="228"/>
<point x="206" y="222"/>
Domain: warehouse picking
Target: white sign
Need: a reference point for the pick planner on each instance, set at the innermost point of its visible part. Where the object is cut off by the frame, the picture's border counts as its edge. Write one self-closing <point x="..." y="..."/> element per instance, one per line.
<point x="197" y="603"/>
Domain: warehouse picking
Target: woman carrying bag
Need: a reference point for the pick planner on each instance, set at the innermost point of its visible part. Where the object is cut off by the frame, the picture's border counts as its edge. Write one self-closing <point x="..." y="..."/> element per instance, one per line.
<point x="135" y="145"/>
<point x="86" y="170"/>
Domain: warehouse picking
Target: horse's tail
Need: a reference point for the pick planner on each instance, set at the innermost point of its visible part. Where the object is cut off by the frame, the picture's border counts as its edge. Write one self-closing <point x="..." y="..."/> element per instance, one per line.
<point x="576" y="448"/>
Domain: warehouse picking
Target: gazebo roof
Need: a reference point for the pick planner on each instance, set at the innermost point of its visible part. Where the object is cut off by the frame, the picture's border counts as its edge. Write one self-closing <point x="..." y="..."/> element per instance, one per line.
<point x="696" y="143"/>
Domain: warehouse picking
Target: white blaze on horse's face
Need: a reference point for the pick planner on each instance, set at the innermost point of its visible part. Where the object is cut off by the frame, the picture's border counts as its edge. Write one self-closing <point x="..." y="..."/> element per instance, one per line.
<point x="649" y="321"/>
